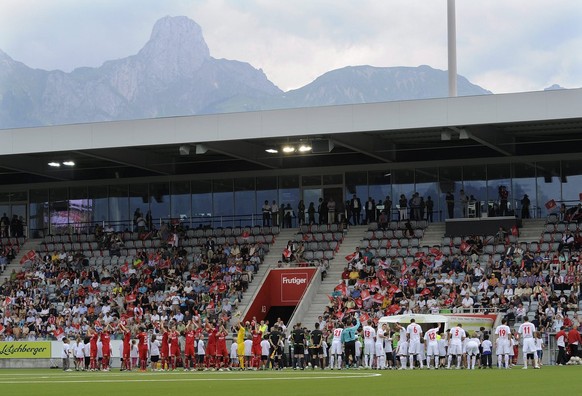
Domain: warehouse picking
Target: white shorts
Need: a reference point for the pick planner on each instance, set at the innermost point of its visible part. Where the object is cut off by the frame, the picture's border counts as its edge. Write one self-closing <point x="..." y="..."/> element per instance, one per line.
<point x="472" y="349"/>
<point x="379" y="349"/>
<point x="529" y="345"/>
<point x="369" y="347"/>
<point x="402" y="348"/>
<point x="503" y="348"/>
<point x="455" y="349"/>
<point x="336" y="348"/>
<point x="432" y="349"/>
<point x="414" y="347"/>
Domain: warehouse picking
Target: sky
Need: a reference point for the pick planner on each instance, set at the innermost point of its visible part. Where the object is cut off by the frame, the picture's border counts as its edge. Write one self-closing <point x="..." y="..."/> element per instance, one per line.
<point x="502" y="45"/>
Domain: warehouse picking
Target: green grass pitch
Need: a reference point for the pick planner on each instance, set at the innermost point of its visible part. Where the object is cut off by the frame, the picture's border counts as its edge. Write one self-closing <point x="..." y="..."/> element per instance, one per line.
<point x="548" y="380"/>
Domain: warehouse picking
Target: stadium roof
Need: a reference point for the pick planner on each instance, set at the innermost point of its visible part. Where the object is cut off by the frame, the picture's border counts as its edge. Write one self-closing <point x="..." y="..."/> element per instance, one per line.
<point x="534" y="123"/>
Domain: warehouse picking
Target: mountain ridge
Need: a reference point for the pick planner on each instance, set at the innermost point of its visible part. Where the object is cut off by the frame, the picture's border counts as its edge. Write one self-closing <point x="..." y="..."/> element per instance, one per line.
<point x="174" y="74"/>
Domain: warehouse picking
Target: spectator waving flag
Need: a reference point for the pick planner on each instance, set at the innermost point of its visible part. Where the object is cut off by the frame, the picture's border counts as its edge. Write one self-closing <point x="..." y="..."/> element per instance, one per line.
<point x="378" y="298"/>
<point x="59" y="334"/>
<point x="28" y="256"/>
<point x="350" y="257"/>
<point x="365" y="294"/>
<point x="551" y="204"/>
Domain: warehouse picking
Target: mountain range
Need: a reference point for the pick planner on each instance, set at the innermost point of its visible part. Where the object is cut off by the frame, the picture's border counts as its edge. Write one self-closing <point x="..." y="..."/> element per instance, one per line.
<point x="174" y="74"/>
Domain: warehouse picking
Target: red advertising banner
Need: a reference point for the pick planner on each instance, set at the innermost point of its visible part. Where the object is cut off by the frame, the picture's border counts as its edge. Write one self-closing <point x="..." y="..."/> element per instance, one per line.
<point x="283" y="287"/>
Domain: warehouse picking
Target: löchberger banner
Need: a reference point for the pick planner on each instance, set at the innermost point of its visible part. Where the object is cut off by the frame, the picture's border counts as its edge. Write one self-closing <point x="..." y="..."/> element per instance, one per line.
<point x="25" y="350"/>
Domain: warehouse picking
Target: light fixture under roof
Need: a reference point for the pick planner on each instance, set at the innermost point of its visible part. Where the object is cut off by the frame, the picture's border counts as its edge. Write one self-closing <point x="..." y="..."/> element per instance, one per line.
<point x="69" y="163"/>
<point x="288" y="149"/>
<point x="54" y="164"/>
<point x="272" y="151"/>
<point x="304" y="148"/>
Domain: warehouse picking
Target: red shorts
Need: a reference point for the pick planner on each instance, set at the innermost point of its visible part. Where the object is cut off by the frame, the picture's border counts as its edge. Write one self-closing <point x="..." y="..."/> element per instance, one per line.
<point x="211" y="350"/>
<point x="256" y="350"/>
<point x="175" y="351"/>
<point x="189" y="350"/>
<point x="164" y="353"/>
<point x="221" y="350"/>
<point x="143" y="352"/>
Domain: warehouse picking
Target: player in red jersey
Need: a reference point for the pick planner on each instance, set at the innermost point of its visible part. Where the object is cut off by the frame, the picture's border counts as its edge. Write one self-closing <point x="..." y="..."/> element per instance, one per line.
<point x="211" y="348"/>
<point x="126" y="347"/>
<point x="164" y="349"/>
<point x="173" y="338"/>
<point x="142" y="347"/>
<point x="257" y="337"/>
<point x="221" y="350"/>
<point x="106" y="347"/>
<point x="189" y="347"/>
<point x="93" y="350"/>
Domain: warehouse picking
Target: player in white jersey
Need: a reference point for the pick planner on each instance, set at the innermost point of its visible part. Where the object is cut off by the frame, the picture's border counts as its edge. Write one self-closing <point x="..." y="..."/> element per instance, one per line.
<point x="456" y="338"/>
<point x="432" y="345"/>
<point x="526" y="331"/>
<point x="369" y="340"/>
<point x="503" y="344"/>
<point x="443" y="343"/>
<point x="379" y="348"/>
<point x="402" y="347"/>
<point x="414" y="332"/>
<point x="335" y="354"/>
<point x="472" y="351"/>
<point x="389" y="352"/>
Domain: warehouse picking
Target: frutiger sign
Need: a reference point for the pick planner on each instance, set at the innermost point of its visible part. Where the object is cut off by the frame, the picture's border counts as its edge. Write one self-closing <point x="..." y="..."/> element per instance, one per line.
<point x="293" y="285"/>
<point x="294" y="281"/>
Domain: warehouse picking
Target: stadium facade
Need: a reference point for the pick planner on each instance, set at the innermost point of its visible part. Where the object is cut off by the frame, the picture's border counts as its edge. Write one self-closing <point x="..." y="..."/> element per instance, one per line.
<point x="215" y="170"/>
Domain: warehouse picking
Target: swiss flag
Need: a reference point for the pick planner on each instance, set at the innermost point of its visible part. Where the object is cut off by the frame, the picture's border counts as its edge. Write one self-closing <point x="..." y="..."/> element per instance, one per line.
<point x="364" y="317"/>
<point x="350" y="257"/>
<point x="393" y="309"/>
<point x="7" y="301"/>
<point x="287" y="253"/>
<point x="59" y="334"/>
<point x="374" y="284"/>
<point x="425" y="292"/>
<point x="378" y="298"/>
<point x="551" y="204"/>
<point x="393" y="289"/>
<point x="465" y="247"/>
<point x="125" y="268"/>
<point x="365" y="295"/>
<point x="28" y="256"/>
<point x="130" y="298"/>
<point x="342" y="288"/>
<point x="358" y="302"/>
<point x="246" y="234"/>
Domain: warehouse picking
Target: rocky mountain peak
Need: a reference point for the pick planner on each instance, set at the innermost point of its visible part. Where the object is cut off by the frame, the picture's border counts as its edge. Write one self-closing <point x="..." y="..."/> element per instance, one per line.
<point x="176" y="47"/>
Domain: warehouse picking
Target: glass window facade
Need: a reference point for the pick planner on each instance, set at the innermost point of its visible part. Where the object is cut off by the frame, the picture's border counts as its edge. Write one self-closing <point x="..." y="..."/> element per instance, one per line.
<point x="229" y="202"/>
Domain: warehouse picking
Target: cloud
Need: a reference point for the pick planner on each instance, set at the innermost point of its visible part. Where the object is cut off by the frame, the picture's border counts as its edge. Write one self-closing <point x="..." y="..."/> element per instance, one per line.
<point x="504" y="46"/>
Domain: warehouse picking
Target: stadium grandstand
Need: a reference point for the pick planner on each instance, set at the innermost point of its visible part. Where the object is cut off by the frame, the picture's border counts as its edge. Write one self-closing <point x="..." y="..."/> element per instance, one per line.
<point x="465" y="205"/>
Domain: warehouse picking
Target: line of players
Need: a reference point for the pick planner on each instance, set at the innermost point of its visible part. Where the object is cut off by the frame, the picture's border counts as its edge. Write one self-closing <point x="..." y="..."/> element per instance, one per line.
<point x="437" y="348"/>
<point x="253" y="350"/>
